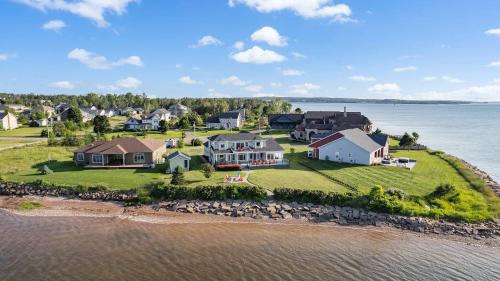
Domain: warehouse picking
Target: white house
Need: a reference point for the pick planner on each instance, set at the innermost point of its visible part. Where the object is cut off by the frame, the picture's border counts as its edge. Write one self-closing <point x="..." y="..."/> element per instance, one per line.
<point x="171" y="143"/>
<point x="164" y="114"/>
<point x="7" y="121"/>
<point x="151" y="122"/>
<point x="226" y="120"/>
<point x="243" y="148"/>
<point x="178" y="159"/>
<point x="351" y="146"/>
<point x="178" y="109"/>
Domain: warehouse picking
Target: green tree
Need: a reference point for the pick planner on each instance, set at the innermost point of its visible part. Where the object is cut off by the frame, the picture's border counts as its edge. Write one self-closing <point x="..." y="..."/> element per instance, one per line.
<point x="407" y="140"/>
<point x="415" y="136"/>
<point x="178" y="177"/>
<point x="180" y="143"/>
<point x="207" y="170"/>
<point x="58" y="129"/>
<point x="298" y="110"/>
<point x="75" y="115"/>
<point x="163" y="126"/>
<point x="377" y="131"/>
<point x="101" y="124"/>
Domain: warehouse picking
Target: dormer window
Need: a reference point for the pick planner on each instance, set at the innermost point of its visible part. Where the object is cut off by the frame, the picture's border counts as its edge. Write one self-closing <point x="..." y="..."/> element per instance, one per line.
<point x="258" y="144"/>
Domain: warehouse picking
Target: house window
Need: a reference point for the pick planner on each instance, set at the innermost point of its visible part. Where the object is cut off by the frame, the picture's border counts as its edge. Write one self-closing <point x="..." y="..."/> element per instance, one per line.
<point x="350" y="155"/>
<point x="242" y="157"/>
<point x="258" y="144"/>
<point x="222" y="146"/>
<point x="80" y="157"/>
<point x="97" y="158"/>
<point x="139" y="158"/>
<point x="186" y="164"/>
<point x="337" y="155"/>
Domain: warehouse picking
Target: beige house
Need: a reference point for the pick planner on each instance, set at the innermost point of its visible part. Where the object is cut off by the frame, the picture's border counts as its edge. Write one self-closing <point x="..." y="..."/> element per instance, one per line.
<point x="121" y="153"/>
<point x="178" y="159"/>
<point x="7" y="121"/>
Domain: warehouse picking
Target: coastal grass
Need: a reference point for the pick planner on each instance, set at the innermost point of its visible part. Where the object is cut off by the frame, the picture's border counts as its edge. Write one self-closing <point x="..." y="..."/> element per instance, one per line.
<point x="29" y="205"/>
<point x="22" y="132"/>
<point x="7" y="143"/>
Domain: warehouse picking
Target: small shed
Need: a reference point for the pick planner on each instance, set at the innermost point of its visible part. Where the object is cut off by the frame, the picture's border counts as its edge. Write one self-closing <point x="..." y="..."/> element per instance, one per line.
<point x="177" y="159"/>
<point x="171" y="143"/>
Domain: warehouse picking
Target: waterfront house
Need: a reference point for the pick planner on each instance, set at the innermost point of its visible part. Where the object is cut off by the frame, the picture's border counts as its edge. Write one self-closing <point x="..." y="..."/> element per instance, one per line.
<point x="284" y="121"/>
<point x="7" y="121"/>
<point x="121" y="153"/>
<point x="144" y="122"/>
<point x="226" y="120"/>
<point x="327" y="122"/>
<point x="352" y="146"/>
<point x="178" y="159"/>
<point x="243" y="148"/>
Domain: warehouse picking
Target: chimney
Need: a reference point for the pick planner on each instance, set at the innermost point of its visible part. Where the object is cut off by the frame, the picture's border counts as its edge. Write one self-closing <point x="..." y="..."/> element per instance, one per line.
<point x="345" y="111"/>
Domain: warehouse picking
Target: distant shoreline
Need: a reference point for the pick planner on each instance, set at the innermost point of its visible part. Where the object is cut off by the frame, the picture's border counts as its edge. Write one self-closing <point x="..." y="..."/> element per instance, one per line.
<point x="374" y="101"/>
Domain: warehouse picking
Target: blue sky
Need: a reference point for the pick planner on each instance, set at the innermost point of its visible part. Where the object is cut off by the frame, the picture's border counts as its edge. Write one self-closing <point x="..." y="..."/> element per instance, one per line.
<point x="176" y="48"/>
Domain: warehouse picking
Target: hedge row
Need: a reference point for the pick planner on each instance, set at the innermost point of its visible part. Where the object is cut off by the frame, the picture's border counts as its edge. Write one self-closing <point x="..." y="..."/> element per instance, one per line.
<point x="206" y="192"/>
<point x="315" y="197"/>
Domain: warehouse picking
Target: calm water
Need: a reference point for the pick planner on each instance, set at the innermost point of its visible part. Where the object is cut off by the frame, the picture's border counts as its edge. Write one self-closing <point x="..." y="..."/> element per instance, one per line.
<point x="471" y="132"/>
<point x="43" y="248"/>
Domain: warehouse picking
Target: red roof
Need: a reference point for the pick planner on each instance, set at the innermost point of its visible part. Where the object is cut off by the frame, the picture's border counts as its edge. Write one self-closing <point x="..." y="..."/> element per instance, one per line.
<point x="326" y="140"/>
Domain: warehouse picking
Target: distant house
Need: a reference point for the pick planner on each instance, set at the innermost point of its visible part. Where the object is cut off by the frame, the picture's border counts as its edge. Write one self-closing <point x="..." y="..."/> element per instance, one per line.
<point x="121" y="152"/>
<point x="351" y="146"/>
<point x="49" y="110"/>
<point x="145" y="122"/>
<point x="178" y="159"/>
<point x="284" y="121"/>
<point x="17" y="108"/>
<point x="171" y="143"/>
<point x="2" y="107"/>
<point x="127" y="111"/>
<point x="41" y="122"/>
<point x="243" y="148"/>
<point x="164" y="114"/>
<point x="327" y="122"/>
<point x="8" y="121"/>
<point x="61" y="107"/>
<point x="178" y="109"/>
<point x="86" y="115"/>
<point x="226" y="120"/>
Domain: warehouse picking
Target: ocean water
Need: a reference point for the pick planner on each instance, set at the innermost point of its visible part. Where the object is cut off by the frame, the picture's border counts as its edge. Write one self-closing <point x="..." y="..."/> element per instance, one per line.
<point x="77" y="248"/>
<point x="469" y="131"/>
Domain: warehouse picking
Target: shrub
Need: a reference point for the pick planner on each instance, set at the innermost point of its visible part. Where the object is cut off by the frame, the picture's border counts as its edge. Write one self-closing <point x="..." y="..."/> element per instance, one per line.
<point x="207" y="192"/>
<point x="315" y="197"/>
<point x="228" y="167"/>
<point x="382" y="202"/>
<point x="396" y="192"/>
<point x="45" y="170"/>
<point x="196" y="142"/>
<point x="443" y="190"/>
<point x="207" y="170"/>
<point x="180" y="143"/>
<point x="178" y="176"/>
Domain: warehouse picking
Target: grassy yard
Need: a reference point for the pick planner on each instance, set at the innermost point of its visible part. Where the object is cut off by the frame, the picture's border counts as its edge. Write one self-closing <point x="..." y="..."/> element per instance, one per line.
<point x="22" y="164"/>
<point x="171" y="134"/>
<point x="5" y="143"/>
<point x="23" y="132"/>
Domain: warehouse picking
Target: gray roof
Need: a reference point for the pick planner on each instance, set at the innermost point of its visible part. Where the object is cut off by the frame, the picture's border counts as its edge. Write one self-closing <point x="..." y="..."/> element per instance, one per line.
<point x="178" y="153"/>
<point x="161" y="111"/>
<point x="285" y="118"/>
<point x="361" y="139"/>
<point x="230" y="115"/>
<point x="3" y="114"/>
<point x="235" y="137"/>
<point x="381" y="139"/>
<point x="213" y="119"/>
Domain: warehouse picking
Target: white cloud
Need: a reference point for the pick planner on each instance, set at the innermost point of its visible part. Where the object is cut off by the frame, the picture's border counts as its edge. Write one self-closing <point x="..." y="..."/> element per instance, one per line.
<point x="128" y="83"/>
<point x="299" y="56"/>
<point x="253" y="88"/>
<point x="90" y="9"/>
<point x="382" y="88"/>
<point x="4" y="56"/>
<point x="239" y="45"/>
<point x="404" y="69"/>
<point x="233" y="80"/>
<point x="269" y="35"/>
<point x="303" y="8"/>
<point x="489" y="92"/>
<point x="430" y="78"/>
<point x="215" y="94"/>
<point x="362" y="78"/>
<point x="96" y="61"/>
<point x="340" y="88"/>
<point x="496" y="80"/>
<point x="494" y="64"/>
<point x="54" y="25"/>
<point x="292" y="72"/>
<point x="207" y="40"/>
<point x="66" y="85"/>
<point x="451" y="79"/>
<point x="188" y="80"/>
<point x="257" y="55"/>
<point x="304" y="89"/>
<point x="493" y="31"/>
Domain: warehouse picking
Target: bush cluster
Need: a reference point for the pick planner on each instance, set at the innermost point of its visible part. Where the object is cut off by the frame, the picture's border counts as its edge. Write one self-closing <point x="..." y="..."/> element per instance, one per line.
<point x="228" y="167"/>
<point x="314" y="196"/>
<point x="207" y="192"/>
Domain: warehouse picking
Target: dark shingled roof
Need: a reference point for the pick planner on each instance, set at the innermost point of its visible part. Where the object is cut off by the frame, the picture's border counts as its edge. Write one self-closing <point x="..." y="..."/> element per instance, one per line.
<point x="235" y="137"/>
<point x="213" y="119"/>
<point x="3" y="114"/>
<point x="381" y="139"/>
<point x="229" y="115"/>
<point x="122" y="146"/>
<point x="178" y="153"/>
<point x="285" y="118"/>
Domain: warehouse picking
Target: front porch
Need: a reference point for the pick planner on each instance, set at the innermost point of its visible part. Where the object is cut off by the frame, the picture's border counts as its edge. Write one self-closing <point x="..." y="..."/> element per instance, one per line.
<point x="251" y="159"/>
<point x="134" y="166"/>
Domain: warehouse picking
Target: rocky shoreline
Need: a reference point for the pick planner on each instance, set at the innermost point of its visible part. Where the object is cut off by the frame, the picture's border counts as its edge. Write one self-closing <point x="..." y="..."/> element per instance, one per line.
<point x="271" y="210"/>
<point x="490" y="182"/>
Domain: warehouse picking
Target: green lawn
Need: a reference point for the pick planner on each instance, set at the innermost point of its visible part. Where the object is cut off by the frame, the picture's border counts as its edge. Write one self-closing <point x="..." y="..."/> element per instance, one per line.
<point x="22" y="164"/>
<point x="23" y="132"/>
<point x="171" y="134"/>
<point x="5" y="143"/>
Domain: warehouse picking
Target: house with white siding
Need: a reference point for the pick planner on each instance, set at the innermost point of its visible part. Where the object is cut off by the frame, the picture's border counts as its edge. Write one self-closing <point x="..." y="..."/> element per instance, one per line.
<point x="226" y="120"/>
<point x="8" y="121"/>
<point x="351" y="146"/>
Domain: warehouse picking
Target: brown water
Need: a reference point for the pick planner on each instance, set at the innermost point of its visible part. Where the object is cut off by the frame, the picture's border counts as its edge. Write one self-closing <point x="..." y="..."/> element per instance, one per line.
<point x="76" y="248"/>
